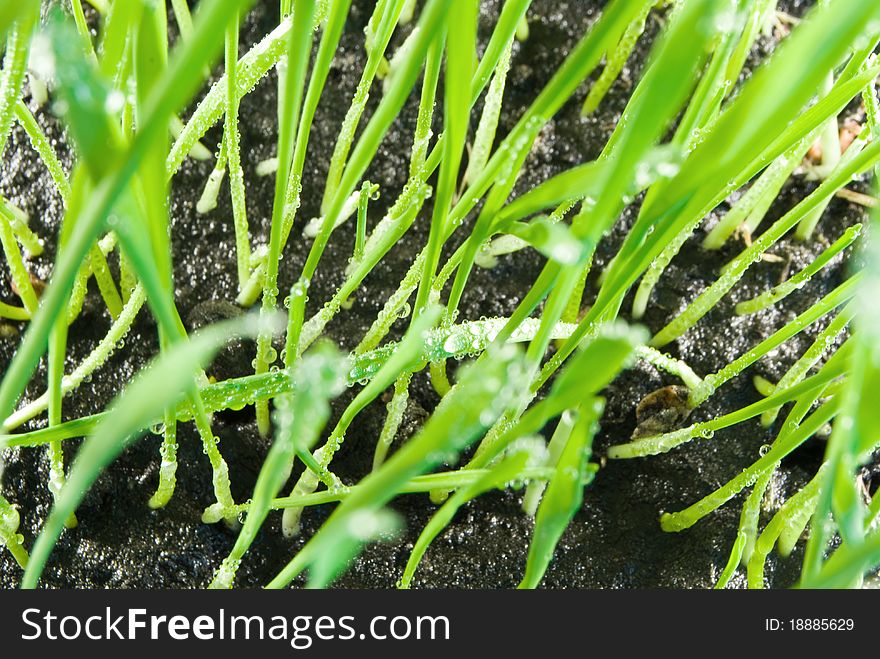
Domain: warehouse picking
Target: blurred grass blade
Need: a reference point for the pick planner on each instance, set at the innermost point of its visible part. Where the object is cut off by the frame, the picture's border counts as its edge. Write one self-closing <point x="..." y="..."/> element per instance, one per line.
<point x="406" y="356"/>
<point x="472" y="406"/>
<point x="564" y="493"/>
<point x="299" y="418"/>
<point x="588" y="372"/>
<point x="855" y="437"/>
<point x="164" y="383"/>
<point x="498" y="477"/>
<point x="10" y="11"/>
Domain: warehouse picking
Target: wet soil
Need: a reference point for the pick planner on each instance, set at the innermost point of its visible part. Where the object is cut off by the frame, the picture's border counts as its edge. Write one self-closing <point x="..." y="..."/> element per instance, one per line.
<point x="615" y="540"/>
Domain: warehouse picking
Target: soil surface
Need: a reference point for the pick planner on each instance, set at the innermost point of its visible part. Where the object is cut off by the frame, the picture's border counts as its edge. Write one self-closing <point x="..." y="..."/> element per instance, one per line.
<point x="614" y="542"/>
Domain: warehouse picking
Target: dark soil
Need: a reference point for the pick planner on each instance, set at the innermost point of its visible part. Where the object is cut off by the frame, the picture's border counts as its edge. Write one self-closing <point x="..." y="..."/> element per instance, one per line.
<point x="615" y="540"/>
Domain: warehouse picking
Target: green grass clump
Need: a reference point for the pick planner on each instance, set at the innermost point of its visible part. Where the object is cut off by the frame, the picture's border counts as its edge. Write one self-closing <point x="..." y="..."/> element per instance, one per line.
<point x="694" y="132"/>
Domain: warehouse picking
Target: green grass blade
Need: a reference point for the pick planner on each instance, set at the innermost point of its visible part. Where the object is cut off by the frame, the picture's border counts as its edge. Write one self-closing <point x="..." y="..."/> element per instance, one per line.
<point x="461" y="45"/>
